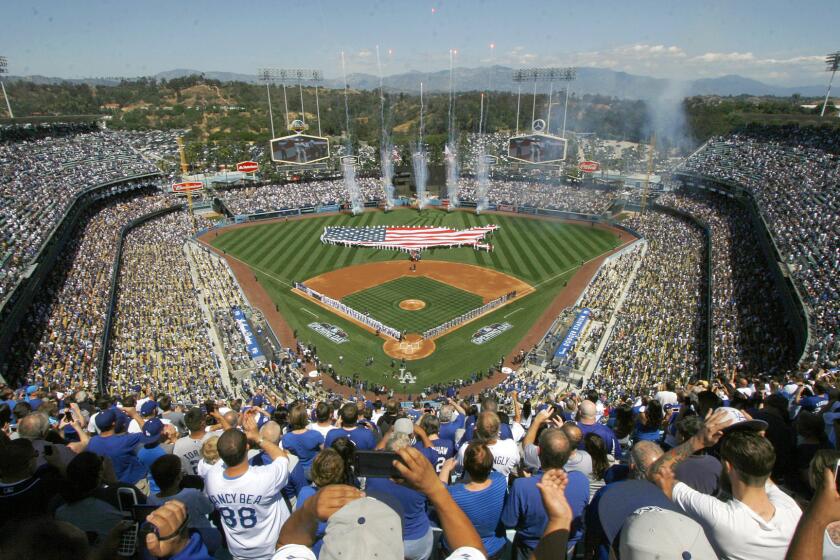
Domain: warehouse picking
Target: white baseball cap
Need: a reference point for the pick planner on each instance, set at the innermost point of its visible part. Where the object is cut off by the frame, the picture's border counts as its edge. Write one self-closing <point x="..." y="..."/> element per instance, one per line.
<point x="364" y="528"/>
<point x="652" y="533"/>
<point x="741" y="422"/>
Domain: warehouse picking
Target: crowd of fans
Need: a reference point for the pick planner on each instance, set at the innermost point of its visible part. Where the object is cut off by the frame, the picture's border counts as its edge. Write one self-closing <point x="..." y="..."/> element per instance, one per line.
<point x="748" y="322"/>
<point x="514" y="193"/>
<point x="793" y="175"/>
<point x="159" y="335"/>
<point x="61" y="338"/>
<point x="656" y="332"/>
<point x="723" y="468"/>
<point x="40" y="178"/>
<point x="646" y="459"/>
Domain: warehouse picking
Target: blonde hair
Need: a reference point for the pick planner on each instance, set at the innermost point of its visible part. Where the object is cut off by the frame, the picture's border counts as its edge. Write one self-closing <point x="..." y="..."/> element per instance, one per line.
<point x="210" y="450"/>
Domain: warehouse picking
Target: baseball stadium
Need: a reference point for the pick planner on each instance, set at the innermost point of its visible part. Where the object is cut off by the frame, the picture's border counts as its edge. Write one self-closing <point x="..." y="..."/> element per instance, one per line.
<point x="571" y="293"/>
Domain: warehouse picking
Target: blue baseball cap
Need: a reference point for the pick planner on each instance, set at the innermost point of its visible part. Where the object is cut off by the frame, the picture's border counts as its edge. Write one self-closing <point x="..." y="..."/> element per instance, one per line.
<point x="149" y="408"/>
<point x="106" y="419"/>
<point x="152" y="428"/>
<point x="258" y="400"/>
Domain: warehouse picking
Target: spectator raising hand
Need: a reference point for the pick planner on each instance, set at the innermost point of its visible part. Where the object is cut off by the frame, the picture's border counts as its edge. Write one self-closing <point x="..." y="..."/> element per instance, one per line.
<point x="808" y="541"/>
<point x="555" y="538"/>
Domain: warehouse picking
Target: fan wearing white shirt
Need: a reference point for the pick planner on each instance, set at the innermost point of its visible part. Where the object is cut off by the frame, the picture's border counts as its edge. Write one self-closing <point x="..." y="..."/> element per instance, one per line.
<point x="760" y="520"/>
<point x="505" y="451"/>
<point x="248" y="497"/>
<point x="667" y="395"/>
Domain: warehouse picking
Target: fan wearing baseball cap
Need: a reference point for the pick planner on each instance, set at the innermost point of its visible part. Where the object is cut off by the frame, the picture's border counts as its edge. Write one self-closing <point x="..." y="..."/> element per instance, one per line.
<point x="122" y="447"/>
<point x="760" y="520"/>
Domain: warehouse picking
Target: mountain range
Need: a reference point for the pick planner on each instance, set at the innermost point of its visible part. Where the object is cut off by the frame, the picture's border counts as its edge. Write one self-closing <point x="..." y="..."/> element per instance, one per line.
<point x="499" y="78"/>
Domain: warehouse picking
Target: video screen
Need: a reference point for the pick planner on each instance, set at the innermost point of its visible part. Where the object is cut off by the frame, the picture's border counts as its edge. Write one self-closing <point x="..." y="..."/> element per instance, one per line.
<point x="537" y="148"/>
<point x="299" y="149"/>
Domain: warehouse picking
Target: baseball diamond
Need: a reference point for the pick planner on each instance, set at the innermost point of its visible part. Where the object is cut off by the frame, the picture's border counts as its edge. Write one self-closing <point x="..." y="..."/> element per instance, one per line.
<point x="443" y="302"/>
<point x="535" y="257"/>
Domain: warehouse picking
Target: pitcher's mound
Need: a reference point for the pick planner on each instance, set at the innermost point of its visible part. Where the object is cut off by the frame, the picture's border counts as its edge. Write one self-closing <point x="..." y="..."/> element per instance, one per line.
<point x="412" y="304"/>
<point x="412" y="347"/>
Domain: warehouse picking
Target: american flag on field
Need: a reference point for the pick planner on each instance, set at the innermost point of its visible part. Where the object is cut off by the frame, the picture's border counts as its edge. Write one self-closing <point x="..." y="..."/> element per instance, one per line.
<point x="407" y="238"/>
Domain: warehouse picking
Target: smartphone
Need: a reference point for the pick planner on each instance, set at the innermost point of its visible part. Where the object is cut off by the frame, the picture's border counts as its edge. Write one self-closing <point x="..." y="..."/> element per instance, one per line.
<point x="836" y="472"/>
<point x="68" y="416"/>
<point x="128" y="540"/>
<point x="48" y="450"/>
<point x="376" y="464"/>
<point x="127" y="498"/>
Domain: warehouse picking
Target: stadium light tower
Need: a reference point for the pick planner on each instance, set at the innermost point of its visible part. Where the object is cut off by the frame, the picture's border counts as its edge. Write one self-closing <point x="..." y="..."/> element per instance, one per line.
<point x="4" y="64"/>
<point x="832" y="64"/>
<point x="551" y="75"/>
<point x="268" y="75"/>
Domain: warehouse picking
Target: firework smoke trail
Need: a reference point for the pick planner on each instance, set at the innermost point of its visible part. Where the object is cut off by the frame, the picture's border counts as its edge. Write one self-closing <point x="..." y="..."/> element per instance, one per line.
<point x="421" y="170"/>
<point x="348" y="168"/>
<point x="482" y="177"/>
<point x="451" y="149"/>
<point x="386" y="148"/>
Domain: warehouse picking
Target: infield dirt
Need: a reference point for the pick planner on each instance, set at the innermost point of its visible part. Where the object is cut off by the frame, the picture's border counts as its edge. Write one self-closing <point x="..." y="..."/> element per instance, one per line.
<point x="485" y="282"/>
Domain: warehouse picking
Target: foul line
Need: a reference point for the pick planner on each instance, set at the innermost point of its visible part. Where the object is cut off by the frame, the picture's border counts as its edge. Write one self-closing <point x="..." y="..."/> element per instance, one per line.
<point x="307" y="311"/>
<point x="252" y="267"/>
<point x="512" y="312"/>
<point x="556" y="276"/>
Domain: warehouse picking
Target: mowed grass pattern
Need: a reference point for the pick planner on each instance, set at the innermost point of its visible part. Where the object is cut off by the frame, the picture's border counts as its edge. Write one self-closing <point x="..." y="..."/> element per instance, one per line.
<point x="543" y="253"/>
<point x="443" y="302"/>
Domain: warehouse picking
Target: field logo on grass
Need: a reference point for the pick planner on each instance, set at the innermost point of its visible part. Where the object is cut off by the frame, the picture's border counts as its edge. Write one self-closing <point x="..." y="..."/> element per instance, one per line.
<point x="490" y="332"/>
<point x="332" y="332"/>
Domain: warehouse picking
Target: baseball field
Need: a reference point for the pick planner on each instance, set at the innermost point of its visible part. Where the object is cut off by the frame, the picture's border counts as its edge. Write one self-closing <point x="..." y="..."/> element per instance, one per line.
<point x="534" y="257"/>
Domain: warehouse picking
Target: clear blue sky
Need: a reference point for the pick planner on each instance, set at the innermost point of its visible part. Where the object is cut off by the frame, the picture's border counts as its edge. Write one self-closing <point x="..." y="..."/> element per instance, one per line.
<point x="777" y="41"/>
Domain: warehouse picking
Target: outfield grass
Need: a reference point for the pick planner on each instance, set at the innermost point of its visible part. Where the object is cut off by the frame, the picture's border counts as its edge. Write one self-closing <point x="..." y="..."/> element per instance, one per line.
<point x="543" y="253"/>
<point x="443" y="302"/>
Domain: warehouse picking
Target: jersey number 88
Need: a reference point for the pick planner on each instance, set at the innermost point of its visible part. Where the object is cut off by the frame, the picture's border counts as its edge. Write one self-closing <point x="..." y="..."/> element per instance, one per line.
<point x="247" y="517"/>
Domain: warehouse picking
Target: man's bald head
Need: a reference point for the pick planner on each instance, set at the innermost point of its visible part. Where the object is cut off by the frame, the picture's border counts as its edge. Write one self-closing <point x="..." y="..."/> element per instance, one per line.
<point x="271" y="431"/>
<point x="487" y="426"/>
<point x="587" y="410"/>
<point x="643" y="455"/>
<point x="33" y="426"/>
<point x="555" y="449"/>
<point x="232" y="418"/>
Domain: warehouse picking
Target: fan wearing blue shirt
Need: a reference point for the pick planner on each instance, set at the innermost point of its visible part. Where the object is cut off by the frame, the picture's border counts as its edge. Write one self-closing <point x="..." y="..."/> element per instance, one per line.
<point x="303" y="443"/>
<point x="524" y="510"/>
<point x="121" y="448"/>
<point x="152" y="451"/>
<point x="482" y="498"/>
<point x="817" y="399"/>
<point x="588" y="424"/>
<point x="445" y="448"/>
<point x="450" y="422"/>
<point x="417" y="531"/>
<point x="361" y="437"/>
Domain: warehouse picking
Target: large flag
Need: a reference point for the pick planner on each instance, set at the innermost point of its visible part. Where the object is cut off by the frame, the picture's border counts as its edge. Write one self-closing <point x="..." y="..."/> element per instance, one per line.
<point x="407" y="238"/>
